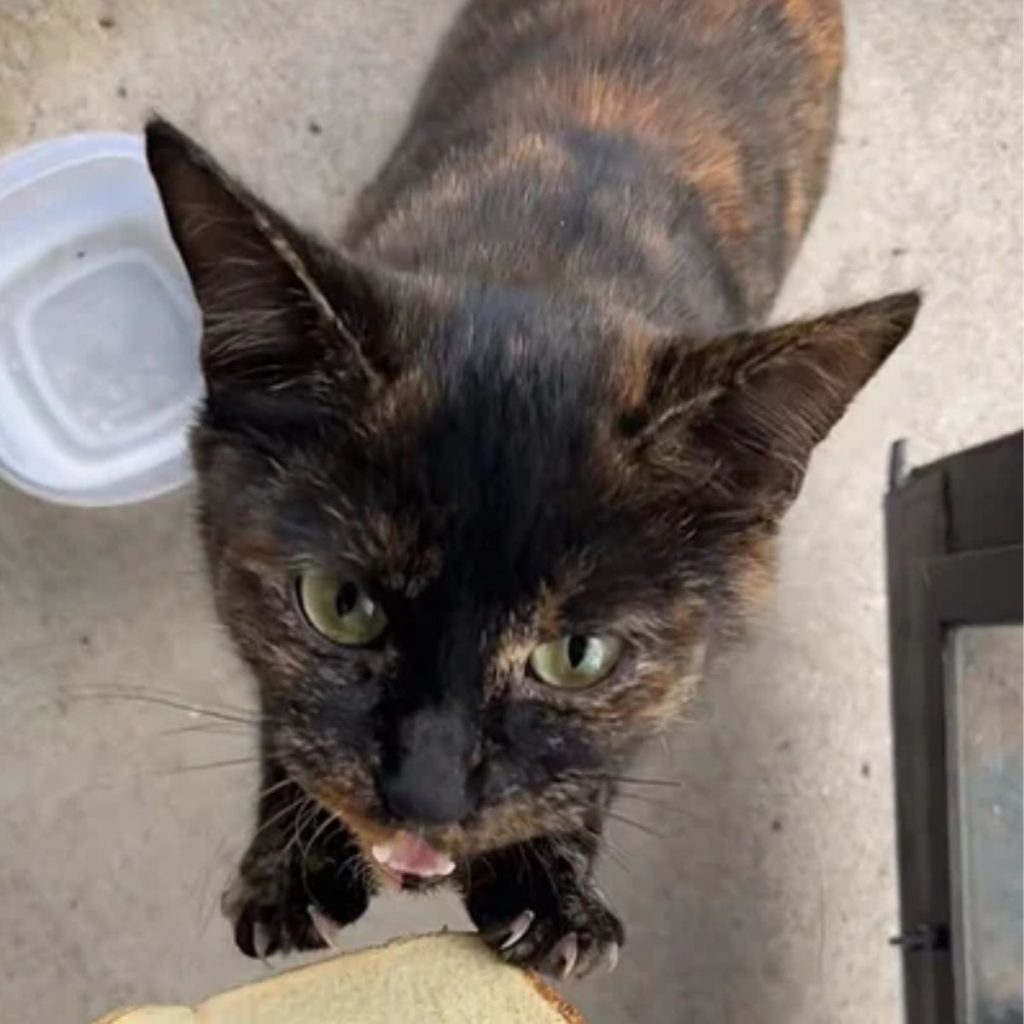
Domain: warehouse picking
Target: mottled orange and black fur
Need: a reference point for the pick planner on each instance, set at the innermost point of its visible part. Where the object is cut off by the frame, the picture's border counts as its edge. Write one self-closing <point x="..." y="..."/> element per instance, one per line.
<point x="529" y="393"/>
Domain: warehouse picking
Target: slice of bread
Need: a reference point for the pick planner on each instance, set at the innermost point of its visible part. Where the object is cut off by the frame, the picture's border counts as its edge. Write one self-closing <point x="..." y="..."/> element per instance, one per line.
<point x="439" y="979"/>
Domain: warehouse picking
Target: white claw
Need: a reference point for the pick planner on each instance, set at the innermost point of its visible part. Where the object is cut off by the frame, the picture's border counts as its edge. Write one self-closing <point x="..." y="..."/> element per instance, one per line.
<point x="567" y="952"/>
<point x="519" y="927"/>
<point x="611" y="957"/>
<point x="261" y="943"/>
<point x="326" y="927"/>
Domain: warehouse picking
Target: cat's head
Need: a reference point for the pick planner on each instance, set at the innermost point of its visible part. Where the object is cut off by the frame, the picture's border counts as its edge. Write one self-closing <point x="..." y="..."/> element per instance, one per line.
<point x="475" y="541"/>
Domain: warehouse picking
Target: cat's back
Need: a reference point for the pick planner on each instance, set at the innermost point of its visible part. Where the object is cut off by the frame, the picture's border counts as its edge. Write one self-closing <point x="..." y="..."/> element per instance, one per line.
<point x="675" y="131"/>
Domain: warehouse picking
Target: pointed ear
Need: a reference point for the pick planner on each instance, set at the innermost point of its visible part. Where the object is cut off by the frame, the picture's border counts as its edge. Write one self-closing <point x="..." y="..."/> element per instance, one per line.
<point x="281" y="314"/>
<point x="738" y="417"/>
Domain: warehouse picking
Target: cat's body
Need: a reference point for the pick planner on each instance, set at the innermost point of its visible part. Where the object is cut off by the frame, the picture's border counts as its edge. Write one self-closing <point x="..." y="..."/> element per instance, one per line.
<point x="481" y="486"/>
<point x="665" y="154"/>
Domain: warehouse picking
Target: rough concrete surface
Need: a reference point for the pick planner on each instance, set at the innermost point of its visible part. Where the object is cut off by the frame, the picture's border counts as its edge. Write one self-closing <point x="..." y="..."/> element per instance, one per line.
<point x="768" y="896"/>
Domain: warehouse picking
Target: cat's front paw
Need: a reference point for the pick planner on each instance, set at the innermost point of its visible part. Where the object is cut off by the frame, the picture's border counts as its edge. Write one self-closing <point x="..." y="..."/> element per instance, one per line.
<point x="269" y="917"/>
<point x="564" y="929"/>
<point x="295" y="900"/>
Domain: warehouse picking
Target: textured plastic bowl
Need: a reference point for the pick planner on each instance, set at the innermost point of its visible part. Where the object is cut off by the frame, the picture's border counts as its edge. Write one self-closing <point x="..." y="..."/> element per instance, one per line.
<point x="99" y="328"/>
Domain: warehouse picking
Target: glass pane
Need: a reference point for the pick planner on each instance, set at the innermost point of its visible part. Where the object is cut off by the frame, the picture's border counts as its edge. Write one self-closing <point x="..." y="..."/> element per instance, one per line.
<point x="986" y="743"/>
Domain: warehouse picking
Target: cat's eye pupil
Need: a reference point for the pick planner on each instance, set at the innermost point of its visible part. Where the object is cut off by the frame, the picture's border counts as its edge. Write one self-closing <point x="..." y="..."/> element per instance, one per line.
<point x="348" y="597"/>
<point x="577" y="650"/>
<point x="340" y="609"/>
<point x="576" y="660"/>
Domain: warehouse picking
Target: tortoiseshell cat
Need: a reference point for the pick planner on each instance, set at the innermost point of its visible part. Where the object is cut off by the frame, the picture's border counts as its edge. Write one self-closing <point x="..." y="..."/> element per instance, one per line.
<point x="481" y="483"/>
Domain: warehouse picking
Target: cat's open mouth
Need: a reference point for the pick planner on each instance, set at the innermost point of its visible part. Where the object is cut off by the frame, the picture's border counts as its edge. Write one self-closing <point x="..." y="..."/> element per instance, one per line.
<point x="408" y="858"/>
<point x="400" y="857"/>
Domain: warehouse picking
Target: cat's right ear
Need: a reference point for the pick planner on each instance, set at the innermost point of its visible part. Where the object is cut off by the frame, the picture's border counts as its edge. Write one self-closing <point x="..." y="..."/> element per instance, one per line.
<point x="283" y="317"/>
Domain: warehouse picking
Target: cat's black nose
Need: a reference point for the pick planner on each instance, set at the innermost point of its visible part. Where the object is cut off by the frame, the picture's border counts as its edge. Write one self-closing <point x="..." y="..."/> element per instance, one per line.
<point x="425" y="780"/>
<point x="418" y="797"/>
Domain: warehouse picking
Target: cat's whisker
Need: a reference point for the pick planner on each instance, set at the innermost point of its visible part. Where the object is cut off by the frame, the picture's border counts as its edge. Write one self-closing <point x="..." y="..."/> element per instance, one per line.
<point x="616" y="857"/>
<point x="329" y="822"/>
<point x="629" y="780"/>
<point x="294" y="807"/>
<point x="217" y="728"/>
<point x="673" y="812"/>
<point x="633" y="780"/>
<point x="224" y="713"/>
<point x="303" y="818"/>
<point x="608" y="842"/>
<point x="304" y="850"/>
<point x="272" y="788"/>
<point x="354" y="861"/>
<point x="606" y="849"/>
<point x="623" y="819"/>
<point x="205" y="904"/>
<point x="230" y="762"/>
<point x="643" y="798"/>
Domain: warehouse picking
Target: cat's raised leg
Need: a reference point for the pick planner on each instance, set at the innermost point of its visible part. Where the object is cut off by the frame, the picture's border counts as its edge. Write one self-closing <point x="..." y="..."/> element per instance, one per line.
<point x="537" y="905"/>
<point x="301" y="876"/>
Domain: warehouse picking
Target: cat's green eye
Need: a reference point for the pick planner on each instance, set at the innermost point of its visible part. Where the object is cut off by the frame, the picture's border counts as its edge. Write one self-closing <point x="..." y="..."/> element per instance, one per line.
<point x="340" y="608"/>
<point x="575" y="662"/>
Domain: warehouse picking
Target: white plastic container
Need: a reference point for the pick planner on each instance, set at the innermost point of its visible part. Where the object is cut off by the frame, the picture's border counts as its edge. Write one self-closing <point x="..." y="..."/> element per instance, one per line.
<point x="99" y="328"/>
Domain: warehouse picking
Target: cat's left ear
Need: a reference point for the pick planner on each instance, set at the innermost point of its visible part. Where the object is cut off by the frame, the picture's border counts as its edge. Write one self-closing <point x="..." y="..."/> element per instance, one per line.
<point x="739" y="417"/>
<point x="282" y="315"/>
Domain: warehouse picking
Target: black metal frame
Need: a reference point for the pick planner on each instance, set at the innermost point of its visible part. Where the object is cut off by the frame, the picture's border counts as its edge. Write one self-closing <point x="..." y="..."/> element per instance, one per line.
<point x="953" y="536"/>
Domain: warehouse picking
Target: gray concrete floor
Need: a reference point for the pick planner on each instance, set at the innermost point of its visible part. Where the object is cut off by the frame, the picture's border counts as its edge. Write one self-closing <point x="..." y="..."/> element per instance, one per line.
<point x="770" y="895"/>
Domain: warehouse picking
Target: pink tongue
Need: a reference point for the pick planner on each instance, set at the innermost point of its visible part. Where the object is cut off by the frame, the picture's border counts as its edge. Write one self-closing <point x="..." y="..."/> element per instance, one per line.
<point x="408" y="854"/>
